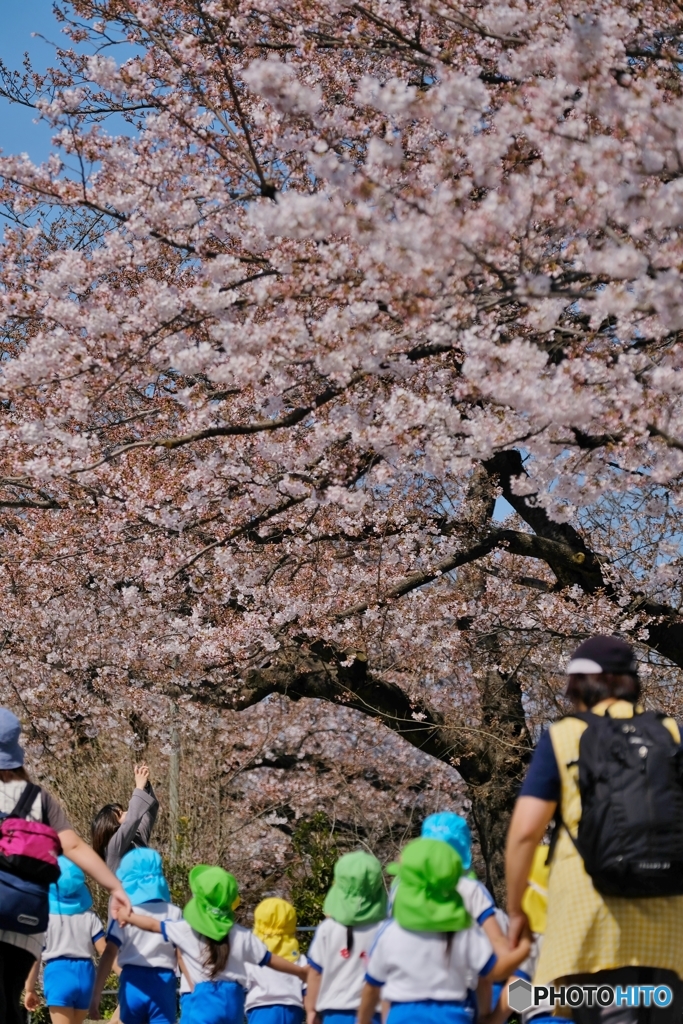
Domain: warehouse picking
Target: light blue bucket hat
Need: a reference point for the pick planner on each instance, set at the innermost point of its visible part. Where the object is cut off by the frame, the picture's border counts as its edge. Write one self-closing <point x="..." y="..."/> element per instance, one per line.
<point x="69" y="894"/>
<point x="11" y="753"/>
<point x="450" y="828"/>
<point x="141" y="873"/>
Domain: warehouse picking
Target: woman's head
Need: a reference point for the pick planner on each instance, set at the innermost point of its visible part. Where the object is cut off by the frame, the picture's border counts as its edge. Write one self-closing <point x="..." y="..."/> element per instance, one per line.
<point x="602" y="668"/>
<point x="105" y="823"/>
<point x="11" y="752"/>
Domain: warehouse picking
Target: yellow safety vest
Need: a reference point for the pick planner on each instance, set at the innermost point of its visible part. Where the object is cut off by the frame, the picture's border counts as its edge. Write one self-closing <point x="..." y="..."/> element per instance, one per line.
<point x="587" y="932"/>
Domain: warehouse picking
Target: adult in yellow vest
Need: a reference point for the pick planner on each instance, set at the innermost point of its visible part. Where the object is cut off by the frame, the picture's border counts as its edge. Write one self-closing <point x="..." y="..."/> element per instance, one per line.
<point x="590" y="938"/>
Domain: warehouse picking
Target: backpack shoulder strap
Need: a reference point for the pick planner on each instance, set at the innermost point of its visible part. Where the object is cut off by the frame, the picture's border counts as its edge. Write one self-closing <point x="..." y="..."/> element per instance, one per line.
<point x="25" y="802"/>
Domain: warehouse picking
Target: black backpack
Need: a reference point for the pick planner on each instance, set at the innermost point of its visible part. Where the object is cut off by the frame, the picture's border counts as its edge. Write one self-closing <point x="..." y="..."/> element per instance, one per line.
<point x="631" y="783"/>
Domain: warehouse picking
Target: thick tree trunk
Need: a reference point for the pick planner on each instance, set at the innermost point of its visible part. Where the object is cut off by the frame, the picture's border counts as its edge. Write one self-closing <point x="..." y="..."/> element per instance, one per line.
<point x="491" y="759"/>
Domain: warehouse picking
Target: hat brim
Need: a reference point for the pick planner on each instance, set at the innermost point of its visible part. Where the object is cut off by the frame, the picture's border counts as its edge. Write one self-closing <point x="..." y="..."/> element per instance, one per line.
<point x="145" y="893"/>
<point x="12" y="757"/>
<point x="67" y="907"/>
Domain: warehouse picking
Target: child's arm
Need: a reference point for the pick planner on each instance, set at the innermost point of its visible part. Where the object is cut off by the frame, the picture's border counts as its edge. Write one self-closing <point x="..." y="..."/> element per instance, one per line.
<point x="100" y="945"/>
<point x="31" y="1000"/>
<point x="103" y="971"/>
<point x="150" y="924"/>
<point x="506" y="962"/>
<point x="494" y="933"/>
<point x="368" y="1003"/>
<point x="311" y="998"/>
<point x="278" y="963"/>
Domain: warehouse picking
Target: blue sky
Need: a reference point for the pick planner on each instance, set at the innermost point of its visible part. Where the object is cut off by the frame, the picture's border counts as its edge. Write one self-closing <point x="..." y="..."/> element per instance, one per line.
<point x="18" y="133"/>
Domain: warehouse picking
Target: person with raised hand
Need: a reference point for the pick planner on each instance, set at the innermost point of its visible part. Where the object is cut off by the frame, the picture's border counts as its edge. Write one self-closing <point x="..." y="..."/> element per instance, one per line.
<point x="116" y="830"/>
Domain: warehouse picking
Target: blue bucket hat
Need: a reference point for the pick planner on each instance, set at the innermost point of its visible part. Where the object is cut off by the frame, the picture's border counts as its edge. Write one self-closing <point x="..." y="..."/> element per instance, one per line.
<point x="11" y="753"/>
<point x="141" y="873"/>
<point x="450" y="828"/>
<point x="69" y="894"/>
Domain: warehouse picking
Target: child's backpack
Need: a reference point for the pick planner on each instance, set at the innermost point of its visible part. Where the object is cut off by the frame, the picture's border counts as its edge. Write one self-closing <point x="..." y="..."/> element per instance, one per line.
<point x="631" y="783"/>
<point x="28" y="864"/>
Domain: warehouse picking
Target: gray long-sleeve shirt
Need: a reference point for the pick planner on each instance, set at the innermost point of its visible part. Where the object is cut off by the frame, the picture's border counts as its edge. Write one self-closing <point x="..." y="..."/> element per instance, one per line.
<point x="136" y="829"/>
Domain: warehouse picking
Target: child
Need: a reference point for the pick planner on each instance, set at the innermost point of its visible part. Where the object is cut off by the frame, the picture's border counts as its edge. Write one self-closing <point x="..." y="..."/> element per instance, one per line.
<point x="534" y="905"/>
<point x="355" y="906"/>
<point x="115" y="831"/>
<point x="74" y="933"/>
<point x="147" y="986"/>
<point x="275" y="998"/>
<point x="452" y="828"/>
<point x="214" y="950"/>
<point x="424" y="957"/>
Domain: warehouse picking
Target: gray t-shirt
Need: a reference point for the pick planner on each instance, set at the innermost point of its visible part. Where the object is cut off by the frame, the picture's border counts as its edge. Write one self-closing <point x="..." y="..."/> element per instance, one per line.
<point x="136" y="829"/>
<point x="72" y="935"/>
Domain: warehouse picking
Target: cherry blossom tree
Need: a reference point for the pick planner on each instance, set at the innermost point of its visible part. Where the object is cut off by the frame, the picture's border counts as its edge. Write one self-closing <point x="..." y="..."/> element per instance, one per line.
<point x="306" y="287"/>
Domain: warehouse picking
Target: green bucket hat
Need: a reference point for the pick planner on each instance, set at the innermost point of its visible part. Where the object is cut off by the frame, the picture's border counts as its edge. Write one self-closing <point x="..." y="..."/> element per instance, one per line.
<point x="358" y="895"/>
<point x="215" y="896"/>
<point x="426" y="897"/>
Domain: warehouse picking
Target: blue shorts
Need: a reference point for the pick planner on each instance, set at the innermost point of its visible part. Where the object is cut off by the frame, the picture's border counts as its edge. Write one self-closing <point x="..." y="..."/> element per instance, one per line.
<point x="213" y="1002"/>
<point x="429" y="1011"/>
<point x="276" y="1015"/>
<point x="147" y="995"/>
<point x="345" y="1017"/>
<point x="69" y="982"/>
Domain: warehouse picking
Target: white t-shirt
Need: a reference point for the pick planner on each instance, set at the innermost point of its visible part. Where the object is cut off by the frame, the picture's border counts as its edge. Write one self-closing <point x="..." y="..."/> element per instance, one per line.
<point x="138" y="948"/>
<point x="416" y="966"/>
<point x="72" y="935"/>
<point x="477" y="899"/>
<point x="245" y="949"/>
<point x="343" y="973"/>
<point x="270" y="988"/>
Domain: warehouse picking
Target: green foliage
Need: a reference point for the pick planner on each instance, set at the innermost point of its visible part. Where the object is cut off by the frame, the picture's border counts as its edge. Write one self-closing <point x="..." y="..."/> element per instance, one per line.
<point x="176" y="876"/>
<point x="317" y="850"/>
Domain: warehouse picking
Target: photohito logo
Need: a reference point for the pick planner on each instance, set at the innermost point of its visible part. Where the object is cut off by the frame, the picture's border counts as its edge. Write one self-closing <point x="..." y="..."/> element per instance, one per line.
<point x="523" y="996"/>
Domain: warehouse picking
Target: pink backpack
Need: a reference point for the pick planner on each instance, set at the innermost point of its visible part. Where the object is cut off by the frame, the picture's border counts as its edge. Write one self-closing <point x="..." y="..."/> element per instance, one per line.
<point x="29" y="849"/>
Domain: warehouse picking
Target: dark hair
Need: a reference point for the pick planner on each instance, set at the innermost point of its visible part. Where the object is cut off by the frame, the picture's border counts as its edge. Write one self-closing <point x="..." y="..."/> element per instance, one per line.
<point x="216" y="956"/>
<point x="13" y="775"/>
<point x="349" y="938"/>
<point x="591" y="689"/>
<point x="105" y="824"/>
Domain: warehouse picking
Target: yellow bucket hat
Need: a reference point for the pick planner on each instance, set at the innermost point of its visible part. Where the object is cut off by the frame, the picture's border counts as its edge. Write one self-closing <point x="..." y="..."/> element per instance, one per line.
<point x="535" y="899"/>
<point x="275" y="926"/>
